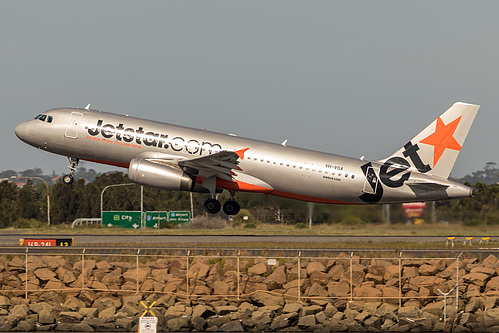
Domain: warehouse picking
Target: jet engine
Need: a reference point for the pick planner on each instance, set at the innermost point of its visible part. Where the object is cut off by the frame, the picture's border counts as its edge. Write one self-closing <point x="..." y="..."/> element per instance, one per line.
<point x="166" y="176"/>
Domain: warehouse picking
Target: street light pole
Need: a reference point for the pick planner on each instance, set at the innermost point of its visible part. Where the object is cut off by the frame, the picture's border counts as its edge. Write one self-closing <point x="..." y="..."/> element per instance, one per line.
<point x="102" y="194"/>
<point x="48" y="196"/>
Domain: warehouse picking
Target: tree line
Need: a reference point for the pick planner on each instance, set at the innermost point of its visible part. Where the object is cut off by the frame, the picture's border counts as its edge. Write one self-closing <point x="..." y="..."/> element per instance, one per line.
<point x="27" y="205"/>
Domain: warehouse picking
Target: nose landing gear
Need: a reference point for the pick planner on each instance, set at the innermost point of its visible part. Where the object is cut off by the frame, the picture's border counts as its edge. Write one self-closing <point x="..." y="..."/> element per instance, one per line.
<point x="68" y="179"/>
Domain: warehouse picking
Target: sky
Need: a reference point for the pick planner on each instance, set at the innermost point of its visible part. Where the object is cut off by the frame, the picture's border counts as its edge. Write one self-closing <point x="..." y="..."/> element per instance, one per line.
<point x="355" y="78"/>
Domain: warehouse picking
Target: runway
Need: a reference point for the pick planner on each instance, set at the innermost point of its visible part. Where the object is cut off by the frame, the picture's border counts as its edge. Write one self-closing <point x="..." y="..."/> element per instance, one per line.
<point x="12" y="239"/>
<point x="246" y="245"/>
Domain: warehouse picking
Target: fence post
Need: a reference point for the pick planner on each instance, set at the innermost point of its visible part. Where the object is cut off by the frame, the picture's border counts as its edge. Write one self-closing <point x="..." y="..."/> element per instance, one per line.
<point x="26" y="289"/>
<point x="351" y="276"/>
<point x="83" y="270"/>
<point x="238" y="274"/>
<point x="400" y="280"/>
<point x="299" y="276"/>
<point x="187" y="273"/>
<point x="137" y="270"/>
<point x="457" y="281"/>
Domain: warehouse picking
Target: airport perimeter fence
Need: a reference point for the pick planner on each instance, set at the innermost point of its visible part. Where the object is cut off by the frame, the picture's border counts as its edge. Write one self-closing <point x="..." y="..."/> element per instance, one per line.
<point x="345" y="277"/>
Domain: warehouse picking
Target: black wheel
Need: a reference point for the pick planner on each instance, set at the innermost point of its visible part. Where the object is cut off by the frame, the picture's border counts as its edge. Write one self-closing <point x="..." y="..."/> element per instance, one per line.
<point x="212" y="206"/>
<point x="68" y="179"/>
<point x="231" y="207"/>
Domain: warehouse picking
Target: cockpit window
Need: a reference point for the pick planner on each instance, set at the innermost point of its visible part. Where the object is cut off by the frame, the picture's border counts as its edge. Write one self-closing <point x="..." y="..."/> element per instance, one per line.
<point x="44" y="117"/>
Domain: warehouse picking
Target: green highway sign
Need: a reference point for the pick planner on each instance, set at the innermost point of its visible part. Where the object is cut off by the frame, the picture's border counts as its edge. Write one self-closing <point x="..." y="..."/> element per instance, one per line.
<point x="154" y="219"/>
<point x="121" y="219"/>
<point x="179" y="216"/>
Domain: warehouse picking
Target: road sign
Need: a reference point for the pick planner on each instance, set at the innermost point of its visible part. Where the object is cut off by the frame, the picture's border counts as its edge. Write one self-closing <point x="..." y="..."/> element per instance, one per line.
<point x="154" y="219"/>
<point x="47" y="242"/>
<point x="148" y="324"/>
<point x="121" y="219"/>
<point x="179" y="216"/>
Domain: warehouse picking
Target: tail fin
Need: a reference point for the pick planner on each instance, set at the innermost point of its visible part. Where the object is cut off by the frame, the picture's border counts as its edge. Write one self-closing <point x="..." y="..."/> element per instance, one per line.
<point x="435" y="149"/>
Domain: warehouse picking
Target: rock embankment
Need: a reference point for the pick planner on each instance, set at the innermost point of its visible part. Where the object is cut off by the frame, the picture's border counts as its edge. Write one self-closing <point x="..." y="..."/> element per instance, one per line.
<point x="248" y="294"/>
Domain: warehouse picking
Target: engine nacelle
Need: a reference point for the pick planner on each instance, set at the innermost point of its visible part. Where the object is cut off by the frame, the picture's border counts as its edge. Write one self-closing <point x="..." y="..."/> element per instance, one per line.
<point x="164" y="176"/>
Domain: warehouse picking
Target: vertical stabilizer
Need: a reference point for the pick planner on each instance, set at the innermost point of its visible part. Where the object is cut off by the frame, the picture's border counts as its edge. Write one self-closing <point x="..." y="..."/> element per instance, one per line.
<point x="435" y="149"/>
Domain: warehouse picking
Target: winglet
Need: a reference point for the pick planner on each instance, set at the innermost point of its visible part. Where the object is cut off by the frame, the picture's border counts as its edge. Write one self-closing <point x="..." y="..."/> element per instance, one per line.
<point x="241" y="152"/>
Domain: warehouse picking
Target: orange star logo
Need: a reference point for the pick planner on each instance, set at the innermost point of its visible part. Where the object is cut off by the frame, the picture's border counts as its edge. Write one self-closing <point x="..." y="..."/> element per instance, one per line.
<point x="442" y="138"/>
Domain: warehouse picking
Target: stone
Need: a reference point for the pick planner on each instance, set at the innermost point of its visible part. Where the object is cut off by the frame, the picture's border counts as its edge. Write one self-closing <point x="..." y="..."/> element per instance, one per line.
<point x="73" y="303"/>
<point x="258" y="269"/>
<point x="198" y="323"/>
<point x="319" y="277"/>
<point x="108" y="312"/>
<point x="70" y="317"/>
<point x="391" y="272"/>
<point x="232" y="326"/>
<point x="478" y="279"/>
<point x="316" y="290"/>
<point x="427" y="270"/>
<point x="306" y="321"/>
<point x="411" y="312"/>
<point x="81" y="327"/>
<point x="223" y="310"/>
<point x="336" y="272"/>
<point x="88" y="312"/>
<point x="279" y="275"/>
<point x="492" y="284"/>
<point x="266" y="299"/>
<point x="18" y="312"/>
<point x="46" y="317"/>
<point x="292" y="307"/>
<point x="338" y="289"/>
<point x="217" y="321"/>
<point x="25" y="326"/>
<point x="310" y="310"/>
<point x="65" y="276"/>
<point x="39" y="306"/>
<point x="315" y="266"/>
<point x="368" y="293"/>
<point x="280" y="322"/>
<point x="435" y="308"/>
<point x="4" y="302"/>
<point x="44" y="274"/>
<point x="384" y="311"/>
<point x="202" y="311"/>
<point x="176" y="324"/>
<point x="410" y="271"/>
<point x="488" y="319"/>
<point x="134" y="274"/>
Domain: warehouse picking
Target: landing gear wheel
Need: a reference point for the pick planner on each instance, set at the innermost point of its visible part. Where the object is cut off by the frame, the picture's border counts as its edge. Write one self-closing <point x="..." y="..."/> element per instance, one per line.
<point x="231" y="207"/>
<point x="212" y="206"/>
<point x="68" y="179"/>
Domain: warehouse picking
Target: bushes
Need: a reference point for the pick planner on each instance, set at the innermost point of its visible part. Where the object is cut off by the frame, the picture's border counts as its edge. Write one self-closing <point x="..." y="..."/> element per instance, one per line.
<point x="205" y="222"/>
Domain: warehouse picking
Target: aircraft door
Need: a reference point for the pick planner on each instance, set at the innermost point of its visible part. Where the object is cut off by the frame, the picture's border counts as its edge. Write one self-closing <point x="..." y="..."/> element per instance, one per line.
<point x="371" y="183"/>
<point x="72" y="125"/>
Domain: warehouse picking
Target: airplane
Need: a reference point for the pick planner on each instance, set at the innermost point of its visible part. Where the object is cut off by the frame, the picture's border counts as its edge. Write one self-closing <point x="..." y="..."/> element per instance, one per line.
<point x="180" y="158"/>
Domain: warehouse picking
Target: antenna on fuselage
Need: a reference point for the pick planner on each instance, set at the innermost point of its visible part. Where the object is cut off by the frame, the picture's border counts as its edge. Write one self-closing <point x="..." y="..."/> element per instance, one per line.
<point x="87" y="107"/>
<point x="284" y="143"/>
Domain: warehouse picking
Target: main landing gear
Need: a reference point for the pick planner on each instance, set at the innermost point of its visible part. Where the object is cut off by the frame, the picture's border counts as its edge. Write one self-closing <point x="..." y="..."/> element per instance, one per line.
<point x="68" y="179"/>
<point x="231" y="207"/>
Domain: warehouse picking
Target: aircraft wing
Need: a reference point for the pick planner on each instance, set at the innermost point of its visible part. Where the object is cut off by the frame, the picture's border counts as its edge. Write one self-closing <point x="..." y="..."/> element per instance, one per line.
<point x="427" y="186"/>
<point x="219" y="164"/>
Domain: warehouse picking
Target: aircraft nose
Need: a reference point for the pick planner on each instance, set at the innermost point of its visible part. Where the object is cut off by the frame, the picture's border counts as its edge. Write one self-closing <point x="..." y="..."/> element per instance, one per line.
<point x="20" y="130"/>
